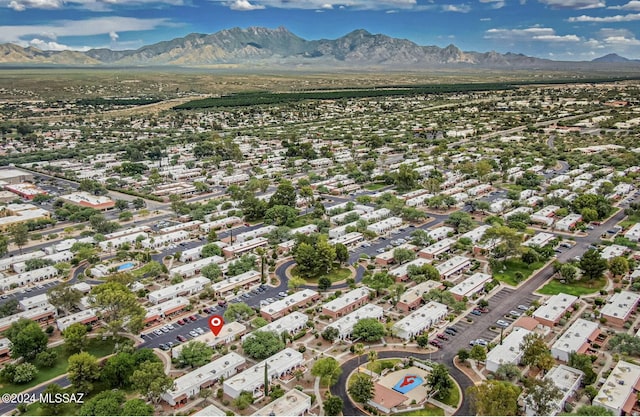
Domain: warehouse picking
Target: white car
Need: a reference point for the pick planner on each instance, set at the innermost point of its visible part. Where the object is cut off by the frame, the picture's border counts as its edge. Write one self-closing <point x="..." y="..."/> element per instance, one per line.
<point x="199" y="330"/>
<point x="157" y="332"/>
<point x="170" y="327"/>
<point x="502" y="323"/>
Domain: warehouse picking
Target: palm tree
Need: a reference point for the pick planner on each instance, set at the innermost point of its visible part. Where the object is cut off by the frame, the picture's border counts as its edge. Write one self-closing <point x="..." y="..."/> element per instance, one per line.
<point x="372" y="356"/>
<point x="358" y="349"/>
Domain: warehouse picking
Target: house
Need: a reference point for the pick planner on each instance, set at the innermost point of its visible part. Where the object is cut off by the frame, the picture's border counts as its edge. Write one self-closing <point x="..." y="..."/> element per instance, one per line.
<point x="346" y="303"/>
<point x="567" y="380"/>
<point x="540" y="239"/>
<point x="193" y="268"/>
<point x="613" y="251"/>
<point x="470" y="286"/>
<point x="619" y="307"/>
<point x="385" y="225"/>
<point x="293" y="403"/>
<point x="420" y="320"/>
<point x="164" y="309"/>
<point x="507" y="352"/>
<point x="577" y="338"/>
<point x="291" y="324"/>
<point x="633" y="234"/>
<point x="345" y="324"/>
<point x="252" y="379"/>
<point x="568" y="222"/>
<point x="189" y="385"/>
<point x="441" y="232"/>
<point x="438" y="248"/>
<point x="619" y="393"/>
<point x="227" y="287"/>
<point x="86" y="317"/>
<point x="550" y="313"/>
<point x="288" y="304"/>
<point x="401" y="273"/>
<point x="412" y="297"/>
<point x="453" y="266"/>
<point x="42" y="315"/>
<point x="239" y="248"/>
<point x="184" y="288"/>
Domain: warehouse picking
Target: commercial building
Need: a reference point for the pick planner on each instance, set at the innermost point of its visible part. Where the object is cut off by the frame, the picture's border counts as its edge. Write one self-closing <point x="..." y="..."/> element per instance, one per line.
<point x="13" y="214"/>
<point x="252" y="379"/>
<point x="293" y="403"/>
<point x="412" y="297"/>
<point x="288" y="304"/>
<point x="15" y="176"/>
<point x="576" y="338"/>
<point x="345" y="324"/>
<point x="619" y="307"/>
<point x="420" y="320"/>
<point x="550" y="313"/>
<point x="509" y="351"/>
<point x="619" y="392"/>
<point x="85" y="199"/>
<point x="25" y="190"/>
<point x="347" y="303"/>
<point x="184" y="288"/>
<point x="567" y="380"/>
<point x="291" y="323"/>
<point x="189" y="385"/>
<point x="470" y="286"/>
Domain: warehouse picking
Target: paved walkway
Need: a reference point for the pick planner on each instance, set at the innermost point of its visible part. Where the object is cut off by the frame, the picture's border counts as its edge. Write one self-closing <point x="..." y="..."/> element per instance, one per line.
<point x="316" y="390"/>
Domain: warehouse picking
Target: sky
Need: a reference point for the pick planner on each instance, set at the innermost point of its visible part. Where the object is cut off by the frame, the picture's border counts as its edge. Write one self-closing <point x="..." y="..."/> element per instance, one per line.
<point x="555" y="29"/>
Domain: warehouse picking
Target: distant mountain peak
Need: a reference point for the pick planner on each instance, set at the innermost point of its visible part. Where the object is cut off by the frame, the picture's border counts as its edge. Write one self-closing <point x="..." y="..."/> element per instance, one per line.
<point x="611" y="58"/>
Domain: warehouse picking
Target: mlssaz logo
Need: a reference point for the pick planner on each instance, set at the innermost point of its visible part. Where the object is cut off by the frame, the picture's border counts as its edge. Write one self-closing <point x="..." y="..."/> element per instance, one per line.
<point x="408" y="380"/>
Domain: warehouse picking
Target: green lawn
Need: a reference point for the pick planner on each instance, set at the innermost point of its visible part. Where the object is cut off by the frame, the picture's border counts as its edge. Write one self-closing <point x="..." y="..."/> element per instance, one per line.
<point x="428" y="410"/>
<point x="512" y="266"/>
<point x="97" y="347"/>
<point x="454" y="397"/>
<point x="381" y="364"/>
<point x="337" y="274"/>
<point x="576" y="288"/>
<point x="374" y="187"/>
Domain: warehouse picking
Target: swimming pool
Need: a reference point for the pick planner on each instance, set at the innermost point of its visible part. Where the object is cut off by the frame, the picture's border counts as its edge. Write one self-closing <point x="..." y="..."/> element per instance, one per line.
<point x="125" y="266"/>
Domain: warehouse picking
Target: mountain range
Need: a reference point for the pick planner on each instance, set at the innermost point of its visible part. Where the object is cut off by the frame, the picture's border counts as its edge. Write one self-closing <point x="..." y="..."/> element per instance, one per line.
<point x="257" y="47"/>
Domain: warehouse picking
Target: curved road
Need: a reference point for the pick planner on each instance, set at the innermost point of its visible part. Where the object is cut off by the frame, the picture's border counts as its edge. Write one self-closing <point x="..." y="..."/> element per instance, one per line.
<point x="339" y="389"/>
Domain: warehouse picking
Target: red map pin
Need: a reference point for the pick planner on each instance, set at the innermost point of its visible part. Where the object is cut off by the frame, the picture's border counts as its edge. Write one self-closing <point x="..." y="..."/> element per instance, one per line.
<point x="215" y="324"/>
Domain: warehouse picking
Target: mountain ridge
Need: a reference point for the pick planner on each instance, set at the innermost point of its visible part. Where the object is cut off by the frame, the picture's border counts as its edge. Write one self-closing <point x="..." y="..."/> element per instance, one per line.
<point x="260" y="46"/>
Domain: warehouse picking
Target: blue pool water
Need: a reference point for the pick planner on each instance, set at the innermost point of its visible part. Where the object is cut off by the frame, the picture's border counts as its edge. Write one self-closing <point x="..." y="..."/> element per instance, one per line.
<point x="125" y="266"/>
<point x="407" y="383"/>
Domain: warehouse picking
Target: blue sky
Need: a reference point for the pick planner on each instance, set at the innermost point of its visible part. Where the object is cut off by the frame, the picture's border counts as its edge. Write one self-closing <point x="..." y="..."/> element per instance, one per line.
<point x="556" y="29"/>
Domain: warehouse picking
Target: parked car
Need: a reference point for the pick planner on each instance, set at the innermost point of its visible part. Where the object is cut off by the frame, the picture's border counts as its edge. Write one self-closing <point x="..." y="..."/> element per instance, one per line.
<point x="164" y="347"/>
<point x="435" y="343"/>
<point x="481" y="342"/>
<point x="380" y="250"/>
<point x="442" y="336"/>
<point x="164" y="329"/>
<point x="282" y="294"/>
<point x="193" y="318"/>
<point x="181" y="338"/>
<point x="476" y="312"/>
<point x="170" y="344"/>
<point x="222" y="303"/>
<point x="523" y="307"/>
<point x="270" y="300"/>
<point x="157" y="332"/>
<point x="171" y="327"/>
<point x="515" y="313"/>
<point x="246" y="295"/>
<point x="450" y="330"/>
<point x="193" y="333"/>
<point x="502" y="323"/>
<point x="483" y="309"/>
<point x="199" y="330"/>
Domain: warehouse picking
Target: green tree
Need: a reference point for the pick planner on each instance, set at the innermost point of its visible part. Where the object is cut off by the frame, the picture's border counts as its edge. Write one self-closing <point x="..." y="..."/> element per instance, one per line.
<point x="494" y="398"/>
<point x="619" y="266"/>
<point x="461" y="221"/>
<point x="122" y="205"/>
<point x="281" y="216"/>
<point x="568" y="272"/>
<point x="406" y="178"/>
<point x="328" y="370"/>
<point x="118" y="307"/>
<point x="27" y="339"/>
<point x="237" y="312"/>
<point x="295" y="283"/>
<point x="439" y="381"/>
<point x="508" y="372"/>
<point x="211" y="271"/>
<point x="4" y="245"/>
<point x="52" y="407"/>
<point x="330" y="333"/>
<point x="535" y="352"/>
<point x="324" y="283"/>
<point x="368" y="330"/>
<point x="463" y="355"/>
<point x="361" y="389"/>
<point x="136" y="407"/>
<point x="118" y="369"/>
<point x="83" y="370"/>
<point x="106" y="403"/>
<point x="591" y="392"/>
<point x="75" y="337"/>
<point x="378" y="281"/>
<point x="211" y="249"/>
<point x="138" y="203"/>
<point x="342" y="253"/>
<point x="150" y="380"/>
<point x="592" y="410"/>
<point x="262" y="344"/>
<point x="625" y="344"/>
<point x="478" y="353"/>
<point x="542" y="397"/>
<point x="195" y="354"/>
<point x="585" y="364"/>
<point x="333" y="406"/>
<point x="47" y="358"/>
<point x="244" y="400"/>
<point x="592" y="265"/>
<point x="285" y="195"/>
<point x="25" y="372"/>
<point x="510" y="241"/>
<point x="19" y="234"/>
<point x="401" y="255"/>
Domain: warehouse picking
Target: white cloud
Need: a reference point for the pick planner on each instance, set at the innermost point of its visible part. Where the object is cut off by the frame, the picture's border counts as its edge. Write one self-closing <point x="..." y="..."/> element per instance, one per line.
<point x="22" y="34"/>
<point x="94" y="5"/>
<point x="456" y="8"/>
<point x="320" y="4"/>
<point x="607" y="19"/>
<point x="21" y="5"/>
<point x="535" y="33"/>
<point x="244" y="5"/>
<point x="113" y="36"/>
<point x="574" y="4"/>
<point x="633" y="5"/>
<point x="54" y="46"/>
<point x="495" y="4"/>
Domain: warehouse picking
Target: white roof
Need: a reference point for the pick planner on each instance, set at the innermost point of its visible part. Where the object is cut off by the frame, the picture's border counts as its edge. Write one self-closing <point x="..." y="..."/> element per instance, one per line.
<point x="196" y="265"/>
<point x="184" y="286"/>
<point x="292" y="299"/>
<point x="471" y="284"/>
<point x="228" y="331"/>
<point x="208" y="372"/>
<point x="451" y="264"/>
<point x="166" y="306"/>
<point x="509" y="350"/>
<point x="85" y="197"/>
<point x="345" y="324"/>
<point x="210" y="410"/>
<point x="575" y="336"/>
<point x="288" y="323"/>
<point x="413" y="293"/>
<point x="477" y="233"/>
<point x="540" y="239"/>
<point x="293" y="403"/>
<point x="620" y="304"/>
<point x="555" y="307"/>
<point x="79" y="317"/>
<point x="619" y="386"/>
<point x="348" y="298"/>
<point x="254" y="377"/>
<point x="402" y="269"/>
<point x="421" y="318"/>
